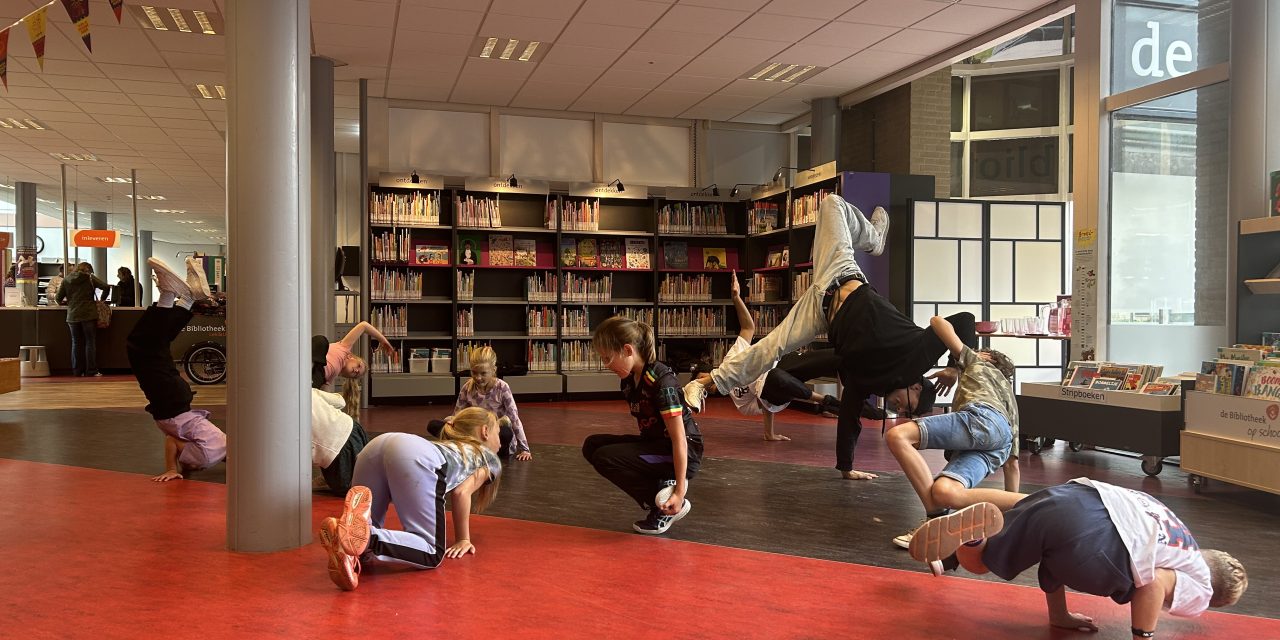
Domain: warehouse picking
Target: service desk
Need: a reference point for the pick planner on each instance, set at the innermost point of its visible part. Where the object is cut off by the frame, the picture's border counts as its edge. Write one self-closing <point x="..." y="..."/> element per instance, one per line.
<point x="47" y="326"/>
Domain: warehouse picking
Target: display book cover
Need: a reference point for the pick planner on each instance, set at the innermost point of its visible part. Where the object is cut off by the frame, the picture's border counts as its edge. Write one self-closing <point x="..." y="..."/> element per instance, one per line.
<point x="430" y="254"/>
<point x="469" y="250"/>
<point x="611" y="253"/>
<point x="526" y="252"/>
<point x="715" y="258"/>
<point x="568" y="252"/>
<point x="501" y="250"/>
<point x="778" y="256"/>
<point x="1263" y="380"/>
<point x="587" y="256"/>
<point x="675" y="255"/>
<point x="637" y="255"/>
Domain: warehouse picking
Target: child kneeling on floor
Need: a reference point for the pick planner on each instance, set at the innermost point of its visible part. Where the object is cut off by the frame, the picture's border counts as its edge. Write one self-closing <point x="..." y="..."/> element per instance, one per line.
<point x="1096" y="538"/>
<point x="414" y="474"/>
<point x="487" y="391"/>
<point x="655" y="466"/>
<point x="978" y="435"/>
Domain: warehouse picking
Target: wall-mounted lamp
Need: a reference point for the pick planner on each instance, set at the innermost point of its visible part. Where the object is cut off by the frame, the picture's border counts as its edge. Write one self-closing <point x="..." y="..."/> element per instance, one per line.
<point x="513" y="182"/>
<point x="617" y="181"/>
<point x="413" y="177"/>
<point x="778" y="176"/>
<point x="733" y="193"/>
<point x="712" y="189"/>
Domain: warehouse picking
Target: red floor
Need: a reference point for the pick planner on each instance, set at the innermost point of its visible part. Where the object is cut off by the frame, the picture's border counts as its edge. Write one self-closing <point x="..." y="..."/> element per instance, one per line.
<point x="120" y="557"/>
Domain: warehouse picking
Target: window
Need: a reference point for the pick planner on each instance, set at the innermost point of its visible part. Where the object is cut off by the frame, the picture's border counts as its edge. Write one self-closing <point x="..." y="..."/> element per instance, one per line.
<point x="1154" y="40"/>
<point x="957" y="104"/>
<point x="1014" y="101"/>
<point x="1016" y="166"/>
<point x="957" y="169"/>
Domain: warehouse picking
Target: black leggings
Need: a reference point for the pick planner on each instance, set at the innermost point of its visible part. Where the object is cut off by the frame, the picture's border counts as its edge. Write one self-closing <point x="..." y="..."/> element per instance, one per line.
<point x="638" y="465"/>
<point x="148" y="348"/>
<point x="786" y="382"/>
<point x="338" y="474"/>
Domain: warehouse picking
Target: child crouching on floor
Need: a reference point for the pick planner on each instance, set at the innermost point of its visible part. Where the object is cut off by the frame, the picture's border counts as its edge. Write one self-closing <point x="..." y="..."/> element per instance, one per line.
<point x="653" y="467"/>
<point x="414" y="474"/>
<point x="487" y="391"/>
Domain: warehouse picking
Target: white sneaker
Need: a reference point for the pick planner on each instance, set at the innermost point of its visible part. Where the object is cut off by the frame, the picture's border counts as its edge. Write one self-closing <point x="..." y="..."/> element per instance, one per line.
<point x="904" y="540"/>
<point x="196" y="281"/>
<point x="695" y="395"/>
<point x="940" y="537"/>
<point x="880" y="222"/>
<point x="168" y="281"/>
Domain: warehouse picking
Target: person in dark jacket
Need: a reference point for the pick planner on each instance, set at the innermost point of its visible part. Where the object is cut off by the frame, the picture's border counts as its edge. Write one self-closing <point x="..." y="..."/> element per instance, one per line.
<point x="78" y="292"/>
<point x="123" y="294"/>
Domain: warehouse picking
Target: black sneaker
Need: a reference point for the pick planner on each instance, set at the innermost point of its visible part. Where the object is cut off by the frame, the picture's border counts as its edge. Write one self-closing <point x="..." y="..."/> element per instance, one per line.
<point x="872" y="412"/>
<point x="657" y="523"/>
<point x="829" y="407"/>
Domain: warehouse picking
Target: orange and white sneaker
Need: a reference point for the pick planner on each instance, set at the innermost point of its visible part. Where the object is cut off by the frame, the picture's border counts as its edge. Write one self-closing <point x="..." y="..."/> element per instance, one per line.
<point x="938" y="538"/>
<point x="344" y="568"/>
<point x="353" y="524"/>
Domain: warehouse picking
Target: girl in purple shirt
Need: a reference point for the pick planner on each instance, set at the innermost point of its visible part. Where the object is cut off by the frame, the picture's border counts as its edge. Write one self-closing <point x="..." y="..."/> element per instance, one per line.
<point x="487" y="391"/>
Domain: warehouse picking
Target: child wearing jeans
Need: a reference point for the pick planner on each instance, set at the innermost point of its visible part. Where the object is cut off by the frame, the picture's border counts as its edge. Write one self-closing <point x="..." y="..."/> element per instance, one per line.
<point x="977" y="435"/>
<point x="416" y="475"/>
<point x="653" y="467"/>
<point x="486" y="390"/>
<point x="1096" y="538"/>
<point x="191" y="441"/>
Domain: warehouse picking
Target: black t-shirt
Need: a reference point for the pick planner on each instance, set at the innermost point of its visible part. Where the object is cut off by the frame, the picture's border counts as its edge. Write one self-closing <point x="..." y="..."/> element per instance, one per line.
<point x="657" y="395"/>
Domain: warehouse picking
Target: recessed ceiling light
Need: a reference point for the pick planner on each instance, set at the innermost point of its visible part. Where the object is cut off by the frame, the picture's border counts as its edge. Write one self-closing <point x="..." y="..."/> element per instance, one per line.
<point x="24" y="123"/>
<point x="783" y="72"/>
<point x="170" y="211"/>
<point x="189" y="221"/>
<point x="176" y="19"/>
<point x="511" y="49"/>
<point x="179" y="20"/>
<point x="113" y="179"/>
<point x="75" y="157"/>
<point x="130" y="195"/>
<point x="209" y="91"/>
<point x="202" y="19"/>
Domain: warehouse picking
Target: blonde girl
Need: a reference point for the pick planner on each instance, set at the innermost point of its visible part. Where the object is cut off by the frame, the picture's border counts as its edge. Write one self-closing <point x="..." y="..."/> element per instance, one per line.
<point x="330" y="360"/>
<point x="486" y="390"/>
<point x="416" y="475"/>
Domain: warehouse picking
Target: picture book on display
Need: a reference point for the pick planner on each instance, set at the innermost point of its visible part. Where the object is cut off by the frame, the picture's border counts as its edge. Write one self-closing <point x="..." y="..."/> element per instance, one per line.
<point x="431" y="254"/>
<point x="638" y="253"/>
<point x="568" y="252"/>
<point x="1263" y="381"/>
<point x="526" y="252"/>
<point x="1206" y="382"/>
<point x="1081" y="374"/>
<point x="714" y="258"/>
<point x="587" y="253"/>
<point x="469" y="250"/>
<point x="778" y="256"/>
<point x="1231" y="375"/>
<point x="611" y="254"/>
<point x="1160" y="388"/>
<point x="1106" y="384"/>
<point x="676" y="255"/>
<point x="501" y="250"/>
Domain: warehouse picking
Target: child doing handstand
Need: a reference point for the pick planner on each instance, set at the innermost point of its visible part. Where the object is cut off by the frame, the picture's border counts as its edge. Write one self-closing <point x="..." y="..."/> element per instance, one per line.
<point x="191" y="441"/>
<point x="414" y="474"/>
<point x="655" y="466"/>
<point x="1096" y="538"/>
<point x="486" y="390"/>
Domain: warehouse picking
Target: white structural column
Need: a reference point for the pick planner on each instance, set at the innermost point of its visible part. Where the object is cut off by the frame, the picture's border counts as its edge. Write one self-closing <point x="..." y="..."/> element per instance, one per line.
<point x="98" y="220"/>
<point x="144" y="250"/>
<point x="323" y="198"/>
<point x="269" y="300"/>
<point x="24" y="206"/>
<point x="1088" y="287"/>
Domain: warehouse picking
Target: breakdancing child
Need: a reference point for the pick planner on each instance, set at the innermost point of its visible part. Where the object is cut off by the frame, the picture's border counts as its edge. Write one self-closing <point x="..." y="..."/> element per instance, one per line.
<point x="879" y="348"/>
<point x="191" y="441"/>
<point x="1098" y="539"/>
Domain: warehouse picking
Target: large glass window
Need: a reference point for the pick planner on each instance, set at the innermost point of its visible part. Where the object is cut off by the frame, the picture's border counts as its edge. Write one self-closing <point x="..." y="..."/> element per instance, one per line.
<point x="1014" y="101"/>
<point x="957" y="104"/>
<point x="1017" y="166"/>
<point x="957" y="169"/>
<point x="1154" y="40"/>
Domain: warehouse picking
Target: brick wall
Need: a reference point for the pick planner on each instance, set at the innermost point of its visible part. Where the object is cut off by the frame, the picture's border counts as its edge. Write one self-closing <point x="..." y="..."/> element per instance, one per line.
<point x="907" y="130"/>
<point x="931" y="129"/>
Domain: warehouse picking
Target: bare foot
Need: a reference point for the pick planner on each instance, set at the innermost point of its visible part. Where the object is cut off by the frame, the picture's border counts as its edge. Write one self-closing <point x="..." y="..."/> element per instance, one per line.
<point x="858" y="475"/>
<point x="776" y="437"/>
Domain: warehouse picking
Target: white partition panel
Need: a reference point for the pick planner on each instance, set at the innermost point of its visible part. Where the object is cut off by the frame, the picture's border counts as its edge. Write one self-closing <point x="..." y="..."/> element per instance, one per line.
<point x="1014" y="221"/>
<point x="653" y="155"/>
<point x="926" y="219"/>
<point x="546" y="148"/>
<point x="935" y="271"/>
<point x="960" y="219"/>
<point x="449" y="143"/>
<point x="1038" y="271"/>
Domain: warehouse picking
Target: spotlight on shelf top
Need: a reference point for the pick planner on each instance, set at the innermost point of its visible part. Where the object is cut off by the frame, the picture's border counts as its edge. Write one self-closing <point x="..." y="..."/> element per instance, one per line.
<point x="733" y="193"/>
<point x="711" y="189"/>
<point x="513" y="182"/>
<point x="778" y="176"/>
<point x="617" y="181"/>
<point x="413" y="177"/>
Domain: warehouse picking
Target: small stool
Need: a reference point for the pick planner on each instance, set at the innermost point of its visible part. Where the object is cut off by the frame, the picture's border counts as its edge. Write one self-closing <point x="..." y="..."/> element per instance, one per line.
<point x="34" y="363"/>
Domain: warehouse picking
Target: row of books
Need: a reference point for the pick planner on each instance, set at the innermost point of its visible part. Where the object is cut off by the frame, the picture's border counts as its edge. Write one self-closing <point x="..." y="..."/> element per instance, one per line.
<point x="762" y="217"/>
<point x="804" y="210"/>
<point x="676" y="255"/>
<point x="391" y="246"/>
<point x="685" y="288"/>
<point x="391" y="320"/>
<point x="692" y="218"/>
<point x="766" y="288"/>
<point x="800" y="282"/>
<point x="394" y="284"/>
<point x="466" y="285"/>
<point x="575" y="323"/>
<point x="605" y="254"/>
<point x="1252" y="371"/>
<point x="507" y="251"/>
<point x="466" y="324"/>
<point x="1112" y="376"/>
<point x="585" y="289"/>
<point x="579" y="355"/>
<point x="577" y="215"/>
<point x="540" y="287"/>
<point x="383" y="362"/>
<point x="541" y="356"/>
<point x="691" y="321"/>
<point x="405" y="209"/>
<point x="464" y="353"/>
<point x="477" y="212"/>
<point x="639" y="314"/>
<point x="778" y="256"/>
<point x="541" y="321"/>
<point x="766" y="318"/>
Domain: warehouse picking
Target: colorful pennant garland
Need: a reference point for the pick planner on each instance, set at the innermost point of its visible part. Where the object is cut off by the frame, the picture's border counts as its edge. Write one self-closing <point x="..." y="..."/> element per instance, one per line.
<point x="117" y="6"/>
<point x="36" y="22"/>
<point x="78" y="11"/>
<point x="4" y="56"/>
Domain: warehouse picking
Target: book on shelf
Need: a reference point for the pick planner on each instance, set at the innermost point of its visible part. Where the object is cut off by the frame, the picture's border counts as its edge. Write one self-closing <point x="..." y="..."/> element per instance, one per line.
<point x="395" y="284"/>
<point x="575" y="322"/>
<point x="466" y="325"/>
<point x="391" y="246"/>
<point x="580" y="215"/>
<point x="1106" y="384"/>
<point x="1263" y="381"/>
<point x="466" y="285"/>
<point x="469" y="250"/>
<point x="638" y="253"/>
<point x="691" y="321"/>
<point x="1240" y="352"/>
<point x="1160" y="389"/>
<point x="568" y="252"/>
<point x="581" y="289"/>
<point x="587" y="253"/>
<point x="766" y="288"/>
<point x="1083" y="375"/>
<point x="683" y="217"/>
<point x="431" y="254"/>
<point x="676" y="254"/>
<point x="1271" y="339"/>
<point x="1231" y="376"/>
<point x="639" y="314"/>
<point x="541" y="321"/>
<point x="684" y="288"/>
<point x="477" y="212"/>
<point x="541" y="356"/>
<point x="415" y="209"/>
<point x="778" y="256"/>
<point x="804" y="209"/>
<point x="526" y="252"/>
<point x="501" y="250"/>
<point x="540" y="287"/>
<point x="611" y="254"/>
<point x="392" y="320"/>
<point x="714" y="258"/>
<point x="766" y="319"/>
<point x="762" y="217"/>
<point x="1207" y="382"/>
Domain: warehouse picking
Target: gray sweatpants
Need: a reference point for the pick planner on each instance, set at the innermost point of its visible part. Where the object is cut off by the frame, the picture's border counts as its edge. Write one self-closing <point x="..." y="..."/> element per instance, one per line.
<point x="841" y="230"/>
<point x="407" y="470"/>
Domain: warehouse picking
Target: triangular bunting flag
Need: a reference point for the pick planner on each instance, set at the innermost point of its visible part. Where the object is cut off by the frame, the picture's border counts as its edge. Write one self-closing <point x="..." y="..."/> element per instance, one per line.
<point x="78" y="11"/>
<point x="36" y="21"/>
<point x="4" y="57"/>
<point x="117" y="6"/>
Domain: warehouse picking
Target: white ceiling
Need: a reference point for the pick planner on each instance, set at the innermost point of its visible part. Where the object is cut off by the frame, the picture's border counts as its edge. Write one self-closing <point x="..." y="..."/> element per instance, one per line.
<point x="130" y="103"/>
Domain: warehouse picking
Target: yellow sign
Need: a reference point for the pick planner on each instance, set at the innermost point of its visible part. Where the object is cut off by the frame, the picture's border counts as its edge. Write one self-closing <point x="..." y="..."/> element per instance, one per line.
<point x="36" y="21"/>
<point x="1086" y="238"/>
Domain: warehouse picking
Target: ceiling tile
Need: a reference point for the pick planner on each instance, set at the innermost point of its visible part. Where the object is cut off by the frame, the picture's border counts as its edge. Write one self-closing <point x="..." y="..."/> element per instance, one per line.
<point x="440" y="20"/>
<point x="918" y="41"/>
<point x="574" y="56"/>
<point x="80" y="82"/>
<point x="780" y="28"/>
<point x="665" y="103"/>
<point x="357" y="72"/>
<point x="607" y="99"/>
<point x="55" y="117"/>
<point x="751" y="51"/>
<point x="476" y="90"/>
<point x="816" y="54"/>
<point x="713" y="67"/>
<point x="105" y="97"/>
<point x="740" y="5"/>
<point x="631" y="79"/>
<point x="349" y="35"/>
<point x="672" y="42"/>
<point x="762" y="117"/>
<point x="198" y="61"/>
<point x="626" y="13"/>
<point x="355" y="12"/>
<point x="722" y="101"/>
<point x="418" y="92"/>
<point x="1024" y="5"/>
<point x="177" y="41"/>
<point x="701" y="20"/>
<point x="711" y="113"/>
<point x="171" y="112"/>
<point x="496" y="70"/>
<point x="71" y="68"/>
<point x="784" y="104"/>
<point x="651" y="62"/>
<point x="548" y="95"/>
<point x="429" y="79"/>
<point x="419" y="44"/>
<point x="365" y="56"/>
<point x="136" y="72"/>
<point x="113" y="109"/>
<point x="967" y="19"/>
<point x="561" y="9"/>
<point x="878" y="63"/>
<point x="562" y="74"/>
<point x="586" y="34"/>
<point x="681" y="83"/>
<point x="893" y="13"/>
<point x="852" y="35"/>
<point x="555" y="102"/>
<point x="166" y="101"/>
<point x="150" y="88"/>
<point x="755" y="88"/>
<point x="523" y="28"/>
<point x="172" y="125"/>
<point x="826" y="9"/>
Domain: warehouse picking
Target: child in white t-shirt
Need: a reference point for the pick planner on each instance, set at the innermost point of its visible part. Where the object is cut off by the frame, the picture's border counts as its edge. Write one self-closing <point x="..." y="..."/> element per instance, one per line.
<point x="1096" y="538"/>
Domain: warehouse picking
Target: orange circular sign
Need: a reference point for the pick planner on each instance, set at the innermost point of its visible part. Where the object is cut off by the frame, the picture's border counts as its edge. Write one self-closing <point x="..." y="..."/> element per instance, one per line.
<point x="95" y="238"/>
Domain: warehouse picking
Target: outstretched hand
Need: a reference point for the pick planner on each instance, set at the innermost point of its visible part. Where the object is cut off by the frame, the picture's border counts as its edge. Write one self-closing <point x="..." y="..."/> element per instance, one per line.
<point x="735" y="290"/>
<point x="459" y="549"/>
<point x="385" y="347"/>
<point x="944" y="380"/>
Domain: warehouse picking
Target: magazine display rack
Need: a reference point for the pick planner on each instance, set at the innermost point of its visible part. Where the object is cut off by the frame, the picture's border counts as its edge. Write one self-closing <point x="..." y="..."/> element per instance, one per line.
<point x="1148" y="425"/>
<point x="1233" y="439"/>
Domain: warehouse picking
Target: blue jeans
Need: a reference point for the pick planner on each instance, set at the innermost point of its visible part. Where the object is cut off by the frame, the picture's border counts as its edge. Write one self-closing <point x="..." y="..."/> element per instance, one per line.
<point x="84" y="333"/>
<point x="977" y="439"/>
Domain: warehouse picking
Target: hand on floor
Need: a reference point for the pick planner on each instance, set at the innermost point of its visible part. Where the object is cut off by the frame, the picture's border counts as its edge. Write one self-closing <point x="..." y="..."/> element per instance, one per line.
<point x="524" y="456"/>
<point x="167" y="476"/>
<point x="459" y="549"/>
<point x="776" y="437"/>
<point x="854" y="474"/>
<point x="1075" y="622"/>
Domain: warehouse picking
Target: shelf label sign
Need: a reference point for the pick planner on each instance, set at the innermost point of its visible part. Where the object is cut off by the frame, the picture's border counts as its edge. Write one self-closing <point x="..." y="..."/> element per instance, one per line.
<point x="95" y="238"/>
